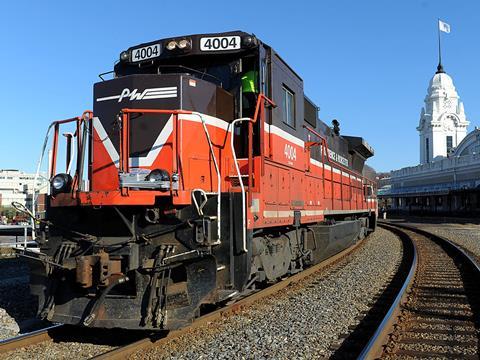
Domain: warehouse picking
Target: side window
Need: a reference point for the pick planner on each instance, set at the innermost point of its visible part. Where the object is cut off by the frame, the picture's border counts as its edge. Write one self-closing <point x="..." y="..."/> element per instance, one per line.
<point x="288" y="104"/>
<point x="310" y="112"/>
<point x="368" y="190"/>
<point x="265" y="79"/>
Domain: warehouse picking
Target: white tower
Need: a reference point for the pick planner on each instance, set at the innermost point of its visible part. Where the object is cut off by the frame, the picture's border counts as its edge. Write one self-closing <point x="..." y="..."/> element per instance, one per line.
<point x="443" y="123"/>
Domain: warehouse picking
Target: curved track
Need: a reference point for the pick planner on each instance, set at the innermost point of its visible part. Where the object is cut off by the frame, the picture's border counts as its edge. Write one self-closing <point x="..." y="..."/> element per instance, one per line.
<point x="124" y="351"/>
<point x="436" y="314"/>
<point x="30" y="338"/>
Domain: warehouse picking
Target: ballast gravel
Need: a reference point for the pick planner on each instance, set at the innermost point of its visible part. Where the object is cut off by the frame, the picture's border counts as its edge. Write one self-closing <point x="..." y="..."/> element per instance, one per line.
<point x="465" y="235"/>
<point x="58" y="351"/>
<point x="16" y="304"/>
<point x="304" y="321"/>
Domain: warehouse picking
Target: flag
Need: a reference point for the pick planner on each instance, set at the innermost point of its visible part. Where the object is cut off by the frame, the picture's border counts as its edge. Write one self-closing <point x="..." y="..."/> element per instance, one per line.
<point x="443" y="26"/>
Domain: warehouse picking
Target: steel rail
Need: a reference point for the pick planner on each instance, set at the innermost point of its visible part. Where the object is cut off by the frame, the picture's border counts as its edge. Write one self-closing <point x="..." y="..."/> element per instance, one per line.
<point x="148" y="342"/>
<point x="450" y="243"/>
<point x="374" y="347"/>
<point x="30" y="338"/>
<point x="379" y="340"/>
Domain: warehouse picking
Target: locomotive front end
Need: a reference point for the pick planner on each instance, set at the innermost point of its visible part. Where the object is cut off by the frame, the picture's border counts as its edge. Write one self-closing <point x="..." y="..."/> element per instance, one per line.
<point x="132" y="238"/>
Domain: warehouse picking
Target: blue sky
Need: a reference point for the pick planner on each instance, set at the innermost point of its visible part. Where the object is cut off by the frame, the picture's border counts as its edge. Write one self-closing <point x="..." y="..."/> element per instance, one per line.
<point x="366" y="63"/>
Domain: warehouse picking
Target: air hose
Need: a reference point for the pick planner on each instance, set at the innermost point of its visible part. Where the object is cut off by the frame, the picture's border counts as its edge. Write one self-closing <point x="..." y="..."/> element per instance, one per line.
<point x="101" y="299"/>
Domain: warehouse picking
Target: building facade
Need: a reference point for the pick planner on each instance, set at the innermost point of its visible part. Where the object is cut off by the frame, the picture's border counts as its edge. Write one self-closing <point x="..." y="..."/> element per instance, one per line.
<point x="18" y="186"/>
<point x="447" y="180"/>
<point x="443" y="124"/>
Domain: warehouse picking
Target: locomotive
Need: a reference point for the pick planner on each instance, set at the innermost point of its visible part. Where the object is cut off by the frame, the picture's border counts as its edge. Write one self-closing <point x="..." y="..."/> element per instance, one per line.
<point x="202" y="173"/>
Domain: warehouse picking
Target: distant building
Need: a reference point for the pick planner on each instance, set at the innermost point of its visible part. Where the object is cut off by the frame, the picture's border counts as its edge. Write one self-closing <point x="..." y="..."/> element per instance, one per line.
<point x="18" y="186"/>
<point x="443" y="124"/>
<point x="383" y="179"/>
<point x="448" y="177"/>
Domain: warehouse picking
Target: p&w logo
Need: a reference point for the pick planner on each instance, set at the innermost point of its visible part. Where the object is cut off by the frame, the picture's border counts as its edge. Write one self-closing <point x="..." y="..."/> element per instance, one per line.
<point x="147" y="94"/>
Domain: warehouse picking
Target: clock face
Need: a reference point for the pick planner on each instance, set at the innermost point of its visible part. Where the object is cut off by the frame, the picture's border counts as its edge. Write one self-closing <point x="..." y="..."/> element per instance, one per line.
<point x="448" y="124"/>
<point x="447" y="104"/>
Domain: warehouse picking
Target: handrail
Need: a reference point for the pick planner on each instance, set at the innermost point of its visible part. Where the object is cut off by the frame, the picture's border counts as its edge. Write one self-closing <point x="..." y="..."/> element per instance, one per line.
<point x="259" y="114"/>
<point x="125" y="147"/>
<point x="54" y="124"/>
<point x="242" y="187"/>
<point x="261" y="97"/>
<point x="82" y="148"/>
<point x="86" y="116"/>
<point x="156" y="111"/>
<point x="324" y="143"/>
<point x="205" y="199"/>
<point x="219" y="176"/>
<point x="365" y="180"/>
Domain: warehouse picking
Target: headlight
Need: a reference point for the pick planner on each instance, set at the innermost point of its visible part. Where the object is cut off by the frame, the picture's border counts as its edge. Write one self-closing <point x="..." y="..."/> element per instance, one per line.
<point x="171" y="45"/>
<point x="184" y="44"/>
<point x="158" y="175"/>
<point x="61" y="183"/>
<point x="160" y="178"/>
<point x="58" y="183"/>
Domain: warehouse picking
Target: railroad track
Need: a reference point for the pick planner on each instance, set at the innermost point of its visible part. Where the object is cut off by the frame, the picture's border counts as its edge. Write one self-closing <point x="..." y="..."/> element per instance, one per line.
<point x="430" y="308"/>
<point x="147" y="342"/>
<point x="30" y="338"/>
<point x="436" y="313"/>
<point x="157" y="339"/>
<point x="91" y="341"/>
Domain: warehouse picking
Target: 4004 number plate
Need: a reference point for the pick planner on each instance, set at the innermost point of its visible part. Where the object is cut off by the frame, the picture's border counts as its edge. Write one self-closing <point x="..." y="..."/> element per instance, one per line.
<point x="220" y="43"/>
<point x="145" y="53"/>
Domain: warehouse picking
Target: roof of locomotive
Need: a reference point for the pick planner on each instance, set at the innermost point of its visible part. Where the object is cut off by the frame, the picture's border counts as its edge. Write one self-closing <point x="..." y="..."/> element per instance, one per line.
<point x="231" y="42"/>
<point x="246" y="43"/>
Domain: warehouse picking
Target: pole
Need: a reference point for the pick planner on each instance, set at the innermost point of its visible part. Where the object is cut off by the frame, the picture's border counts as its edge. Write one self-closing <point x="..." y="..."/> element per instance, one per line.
<point x="439" y="43"/>
<point x="25" y="234"/>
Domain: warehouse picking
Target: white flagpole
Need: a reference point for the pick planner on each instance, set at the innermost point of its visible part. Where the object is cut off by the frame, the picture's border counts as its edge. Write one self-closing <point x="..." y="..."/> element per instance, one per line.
<point x="439" y="44"/>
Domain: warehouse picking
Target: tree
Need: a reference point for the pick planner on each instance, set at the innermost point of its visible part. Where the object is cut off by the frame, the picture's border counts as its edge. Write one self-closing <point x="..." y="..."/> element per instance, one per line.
<point x="8" y="211"/>
<point x="369" y="172"/>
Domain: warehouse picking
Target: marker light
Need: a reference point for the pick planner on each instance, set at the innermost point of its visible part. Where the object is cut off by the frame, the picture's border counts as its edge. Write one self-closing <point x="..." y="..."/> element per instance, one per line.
<point x="249" y="41"/>
<point x="124" y="56"/>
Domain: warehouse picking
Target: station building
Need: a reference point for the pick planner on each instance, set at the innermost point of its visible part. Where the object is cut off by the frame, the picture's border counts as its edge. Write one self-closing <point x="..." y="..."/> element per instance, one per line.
<point x="18" y="186"/>
<point x="447" y="180"/>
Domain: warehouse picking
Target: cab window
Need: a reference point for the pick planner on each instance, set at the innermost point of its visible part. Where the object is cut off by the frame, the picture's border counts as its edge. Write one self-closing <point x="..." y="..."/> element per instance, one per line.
<point x="288" y="106"/>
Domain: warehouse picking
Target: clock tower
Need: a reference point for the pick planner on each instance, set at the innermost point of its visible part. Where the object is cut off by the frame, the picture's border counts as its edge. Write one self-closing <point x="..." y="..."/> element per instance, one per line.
<point x="443" y="123"/>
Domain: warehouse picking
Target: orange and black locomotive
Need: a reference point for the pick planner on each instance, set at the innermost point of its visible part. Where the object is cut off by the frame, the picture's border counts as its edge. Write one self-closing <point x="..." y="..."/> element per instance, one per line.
<point x="202" y="172"/>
